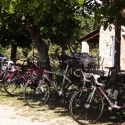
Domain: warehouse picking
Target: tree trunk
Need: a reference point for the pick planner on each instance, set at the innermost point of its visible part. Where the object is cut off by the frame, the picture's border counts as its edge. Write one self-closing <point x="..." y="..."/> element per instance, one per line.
<point x="41" y="47"/>
<point x="13" y="51"/>
<point x="117" y="44"/>
<point x="63" y="51"/>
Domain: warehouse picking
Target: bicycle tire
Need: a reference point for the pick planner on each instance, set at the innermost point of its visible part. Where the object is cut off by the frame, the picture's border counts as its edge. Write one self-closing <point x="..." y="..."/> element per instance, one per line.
<point x="36" y="95"/>
<point x="69" y="90"/>
<point x="82" y="114"/>
<point x="13" y="86"/>
<point x="2" y="75"/>
<point x="1" y="87"/>
<point x="121" y="102"/>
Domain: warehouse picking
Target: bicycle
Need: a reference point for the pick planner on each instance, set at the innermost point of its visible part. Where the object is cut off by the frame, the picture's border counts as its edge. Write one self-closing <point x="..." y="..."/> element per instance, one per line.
<point x="14" y="81"/>
<point x="87" y="104"/>
<point x="5" y="64"/>
<point x="37" y="90"/>
<point x="15" y="78"/>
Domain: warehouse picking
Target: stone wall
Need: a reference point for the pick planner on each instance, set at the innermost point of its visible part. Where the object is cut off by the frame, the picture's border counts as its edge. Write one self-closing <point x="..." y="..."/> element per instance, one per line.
<point x="123" y="51"/>
<point x="106" y="47"/>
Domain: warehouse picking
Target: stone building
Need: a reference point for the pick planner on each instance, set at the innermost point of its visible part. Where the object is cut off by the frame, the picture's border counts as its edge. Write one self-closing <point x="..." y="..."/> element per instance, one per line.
<point x="105" y="39"/>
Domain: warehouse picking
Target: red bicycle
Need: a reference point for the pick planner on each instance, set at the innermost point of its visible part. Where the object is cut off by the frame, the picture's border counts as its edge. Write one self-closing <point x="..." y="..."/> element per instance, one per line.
<point x="16" y="78"/>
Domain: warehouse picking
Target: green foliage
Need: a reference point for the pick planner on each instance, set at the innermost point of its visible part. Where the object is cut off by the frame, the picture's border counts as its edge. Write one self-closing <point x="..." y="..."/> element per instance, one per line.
<point x="19" y="53"/>
<point x="54" y="49"/>
<point x="57" y="20"/>
<point x="11" y="32"/>
<point x="104" y="11"/>
<point x="2" y="50"/>
<point x="60" y="22"/>
<point x="32" y="52"/>
<point x="81" y="2"/>
<point x="25" y="51"/>
<point x="94" y="49"/>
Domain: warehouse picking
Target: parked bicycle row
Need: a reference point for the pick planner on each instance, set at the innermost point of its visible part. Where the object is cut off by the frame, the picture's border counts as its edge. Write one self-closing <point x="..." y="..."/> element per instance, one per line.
<point x="82" y="92"/>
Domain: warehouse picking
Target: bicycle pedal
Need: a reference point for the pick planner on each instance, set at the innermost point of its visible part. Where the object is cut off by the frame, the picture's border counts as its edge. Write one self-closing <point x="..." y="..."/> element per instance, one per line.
<point x="37" y="92"/>
<point x="110" y="109"/>
<point x="87" y="105"/>
<point x="77" y="105"/>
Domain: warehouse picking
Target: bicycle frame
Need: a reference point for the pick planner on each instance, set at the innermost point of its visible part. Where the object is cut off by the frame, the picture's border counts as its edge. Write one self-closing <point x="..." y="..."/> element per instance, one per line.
<point x="103" y="93"/>
<point x="45" y="75"/>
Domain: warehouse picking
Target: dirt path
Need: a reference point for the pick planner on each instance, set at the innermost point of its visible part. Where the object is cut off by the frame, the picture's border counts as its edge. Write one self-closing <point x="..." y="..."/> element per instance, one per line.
<point x="13" y="111"/>
<point x="10" y="115"/>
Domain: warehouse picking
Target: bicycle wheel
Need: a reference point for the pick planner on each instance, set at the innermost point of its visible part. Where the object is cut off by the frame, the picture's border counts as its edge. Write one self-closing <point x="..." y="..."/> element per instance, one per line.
<point x="1" y="86"/>
<point x="2" y="75"/>
<point x="69" y="90"/>
<point x="121" y="102"/>
<point x="13" y="86"/>
<point x="36" y="93"/>
<point x="82" y="111"/>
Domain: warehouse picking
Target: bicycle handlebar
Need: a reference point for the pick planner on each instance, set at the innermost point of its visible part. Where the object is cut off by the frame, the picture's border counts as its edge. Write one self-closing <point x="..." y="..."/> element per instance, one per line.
<point x="121" y="73"/>
<point x="96" y="77"/>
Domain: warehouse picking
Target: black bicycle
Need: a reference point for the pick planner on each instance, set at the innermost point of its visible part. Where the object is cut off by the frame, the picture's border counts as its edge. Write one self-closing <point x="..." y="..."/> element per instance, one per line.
<point x="87" y="104"/>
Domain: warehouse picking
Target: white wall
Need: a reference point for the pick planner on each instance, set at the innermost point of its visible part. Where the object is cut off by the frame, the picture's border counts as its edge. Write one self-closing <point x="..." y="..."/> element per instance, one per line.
<point x="85" y="47"/>
<point x="105" y="46"/>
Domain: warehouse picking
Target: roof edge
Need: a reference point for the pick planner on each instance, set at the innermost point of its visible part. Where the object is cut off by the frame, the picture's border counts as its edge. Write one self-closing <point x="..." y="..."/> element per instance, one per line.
<point x="89" y="36"/>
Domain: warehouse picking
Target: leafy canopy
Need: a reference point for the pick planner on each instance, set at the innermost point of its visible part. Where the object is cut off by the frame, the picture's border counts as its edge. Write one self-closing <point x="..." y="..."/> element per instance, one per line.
<point x="104" y="11"/>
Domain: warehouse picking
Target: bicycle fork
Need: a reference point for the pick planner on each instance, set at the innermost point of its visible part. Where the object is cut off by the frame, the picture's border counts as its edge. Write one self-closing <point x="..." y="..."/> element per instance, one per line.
<point x="90" y="97"/>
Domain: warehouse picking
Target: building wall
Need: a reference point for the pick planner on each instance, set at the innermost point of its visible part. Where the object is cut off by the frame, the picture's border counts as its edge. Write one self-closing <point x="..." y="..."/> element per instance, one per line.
<point x="85" y="47"/>
<point x="123" y="51"/>
<point x="106" y="47"/>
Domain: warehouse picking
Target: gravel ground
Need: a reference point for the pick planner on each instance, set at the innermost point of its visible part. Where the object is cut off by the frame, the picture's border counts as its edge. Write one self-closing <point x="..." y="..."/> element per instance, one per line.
<point x="9" y="115"/>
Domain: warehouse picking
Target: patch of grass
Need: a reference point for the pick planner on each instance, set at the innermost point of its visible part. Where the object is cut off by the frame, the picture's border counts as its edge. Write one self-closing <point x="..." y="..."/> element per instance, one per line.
<point x="55" y="113"/>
